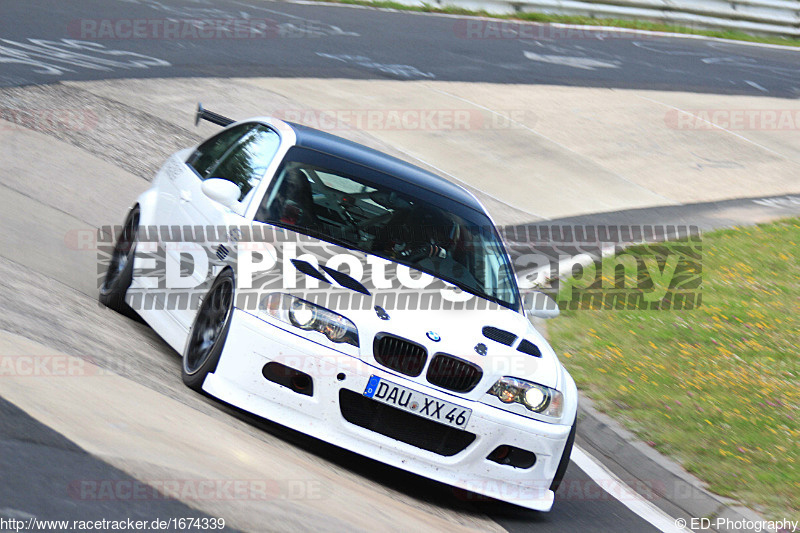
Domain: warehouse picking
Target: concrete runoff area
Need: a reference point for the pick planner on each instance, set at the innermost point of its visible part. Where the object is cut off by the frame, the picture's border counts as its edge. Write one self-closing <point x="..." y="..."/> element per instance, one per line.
<point x="547" y="151"/>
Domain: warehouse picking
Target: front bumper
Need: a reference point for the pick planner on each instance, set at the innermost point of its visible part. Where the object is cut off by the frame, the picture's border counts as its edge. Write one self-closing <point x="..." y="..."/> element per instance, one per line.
<point x="238" y="380"/>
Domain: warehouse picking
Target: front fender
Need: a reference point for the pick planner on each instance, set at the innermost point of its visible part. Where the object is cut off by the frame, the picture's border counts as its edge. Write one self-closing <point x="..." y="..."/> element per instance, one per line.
<point x="147" y="202"/>
<point x="570" y="392"/>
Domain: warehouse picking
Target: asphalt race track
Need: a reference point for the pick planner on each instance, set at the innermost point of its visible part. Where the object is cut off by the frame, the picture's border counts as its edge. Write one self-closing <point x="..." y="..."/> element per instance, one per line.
<point x="134" y="422"/>
<point x="350" y="42"/>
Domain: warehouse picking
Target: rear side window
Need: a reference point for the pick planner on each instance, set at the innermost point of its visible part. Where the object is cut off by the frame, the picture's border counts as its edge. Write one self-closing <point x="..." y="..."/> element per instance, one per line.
<point x="205" y="158"/>
<point x="240" y="155"/>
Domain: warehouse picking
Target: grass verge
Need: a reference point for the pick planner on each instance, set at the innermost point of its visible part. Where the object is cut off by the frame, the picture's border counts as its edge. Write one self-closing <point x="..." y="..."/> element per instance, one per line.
<point x="715" y="388"/>
<point x="579" y="20"/>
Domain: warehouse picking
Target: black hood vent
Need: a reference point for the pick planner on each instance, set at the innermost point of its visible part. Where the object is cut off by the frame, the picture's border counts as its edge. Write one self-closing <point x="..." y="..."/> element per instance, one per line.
<point x="529" y="348"/>
<point x="309" y="270"/>
<point x="499" y="335"/>
<point x="346" y="281"/>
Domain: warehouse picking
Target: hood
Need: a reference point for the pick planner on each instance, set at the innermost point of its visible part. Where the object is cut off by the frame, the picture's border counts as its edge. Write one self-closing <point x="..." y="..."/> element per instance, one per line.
<point x="418" y="312"/>
<point x="477" y="337"/>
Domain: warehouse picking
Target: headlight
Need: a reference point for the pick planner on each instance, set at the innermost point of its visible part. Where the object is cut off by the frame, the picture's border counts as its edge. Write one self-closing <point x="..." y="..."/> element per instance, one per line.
<point x="534" y="397"/>
<point x="302" y="314"/>
<point x="310" y="317"/>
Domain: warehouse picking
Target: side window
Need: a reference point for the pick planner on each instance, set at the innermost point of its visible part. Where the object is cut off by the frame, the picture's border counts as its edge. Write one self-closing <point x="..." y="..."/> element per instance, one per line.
<point x="246" y="163"/>
<point x="208" y="154"/>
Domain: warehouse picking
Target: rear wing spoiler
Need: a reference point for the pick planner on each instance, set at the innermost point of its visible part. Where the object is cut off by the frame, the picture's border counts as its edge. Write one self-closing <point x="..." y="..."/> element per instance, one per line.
<point x="216" y="118"/>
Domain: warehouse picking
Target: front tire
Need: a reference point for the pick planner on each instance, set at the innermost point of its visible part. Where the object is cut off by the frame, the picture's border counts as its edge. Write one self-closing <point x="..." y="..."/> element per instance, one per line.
<point x="120" y="268"/>
<point x="209" y="331"/>
<point x="564" y="463"/>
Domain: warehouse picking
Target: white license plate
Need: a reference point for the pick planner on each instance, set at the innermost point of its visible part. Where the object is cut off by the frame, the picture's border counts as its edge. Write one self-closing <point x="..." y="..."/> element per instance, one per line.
<point x="415" y="402"/>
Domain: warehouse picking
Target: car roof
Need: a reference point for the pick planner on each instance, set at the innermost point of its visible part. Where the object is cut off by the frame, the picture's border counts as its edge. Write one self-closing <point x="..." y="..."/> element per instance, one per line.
<point x="358" y="153"/>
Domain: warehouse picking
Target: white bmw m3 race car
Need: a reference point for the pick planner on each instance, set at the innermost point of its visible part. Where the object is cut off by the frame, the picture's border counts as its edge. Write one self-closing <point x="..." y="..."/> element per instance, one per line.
<point x="351" y="296"/>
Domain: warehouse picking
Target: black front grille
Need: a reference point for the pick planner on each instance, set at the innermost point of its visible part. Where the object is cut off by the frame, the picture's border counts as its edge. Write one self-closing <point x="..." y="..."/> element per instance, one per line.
<point x="453" y="374"/>
<point x="399" y="354"/>
<point x="401" y="425"/>
<point x="499" y="335"/>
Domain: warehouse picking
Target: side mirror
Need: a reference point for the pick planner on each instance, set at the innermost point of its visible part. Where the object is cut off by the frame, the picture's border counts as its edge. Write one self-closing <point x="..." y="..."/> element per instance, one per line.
<point x="540" y="305"/>
<point x="222" y="191"/>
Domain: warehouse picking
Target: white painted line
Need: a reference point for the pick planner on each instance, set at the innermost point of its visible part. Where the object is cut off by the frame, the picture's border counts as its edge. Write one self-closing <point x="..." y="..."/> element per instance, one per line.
<point x="624" y="494"/>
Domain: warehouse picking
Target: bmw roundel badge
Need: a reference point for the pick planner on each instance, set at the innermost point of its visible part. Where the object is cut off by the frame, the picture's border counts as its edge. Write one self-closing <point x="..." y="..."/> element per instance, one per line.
<point x="432" y="335"/>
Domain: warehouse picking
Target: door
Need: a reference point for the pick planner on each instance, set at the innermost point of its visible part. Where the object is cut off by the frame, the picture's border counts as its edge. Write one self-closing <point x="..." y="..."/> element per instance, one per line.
<point x="240" y="154"/>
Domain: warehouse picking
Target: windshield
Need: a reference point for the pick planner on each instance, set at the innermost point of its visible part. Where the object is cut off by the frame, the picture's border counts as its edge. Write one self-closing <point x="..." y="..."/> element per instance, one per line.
<point x="360" y="208"/>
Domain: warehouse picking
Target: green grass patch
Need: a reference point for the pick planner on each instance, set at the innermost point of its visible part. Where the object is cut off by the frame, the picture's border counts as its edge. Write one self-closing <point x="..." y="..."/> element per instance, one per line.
<point x="579" y="20"/>
<point x="715" y="387"/>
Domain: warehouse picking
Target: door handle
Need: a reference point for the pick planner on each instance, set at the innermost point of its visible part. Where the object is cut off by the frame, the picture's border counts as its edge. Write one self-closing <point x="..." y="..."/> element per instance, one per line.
<point x="186" y="196"/>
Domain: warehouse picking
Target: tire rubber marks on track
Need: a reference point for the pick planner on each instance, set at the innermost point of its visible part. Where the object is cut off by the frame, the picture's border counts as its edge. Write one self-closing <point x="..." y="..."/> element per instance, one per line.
<point x="296" y="27"/>
<point x="787" y="201"/>
<point x="200" y="12"/>
<point x="399" y="71"/>
<point x="315" y="28"/>
<point x="66" y="55"/>
<point x="584" y="63"/>
<point x="723" y="55"/>
<point x="573" y="56"/>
